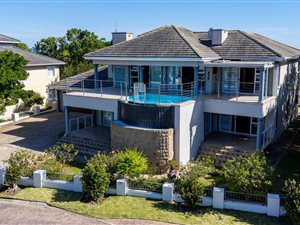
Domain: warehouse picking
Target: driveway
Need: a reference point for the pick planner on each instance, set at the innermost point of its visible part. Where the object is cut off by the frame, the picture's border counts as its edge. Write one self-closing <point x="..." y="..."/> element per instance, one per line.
<point x="21" y="212"/>
<point x="34" y="134"/>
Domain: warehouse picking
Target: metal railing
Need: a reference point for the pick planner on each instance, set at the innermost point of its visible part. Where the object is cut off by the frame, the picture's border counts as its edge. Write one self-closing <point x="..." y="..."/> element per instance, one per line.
<point x="228" y="88"/>
<point x="81" y="122"/>
<point x="145" y="185"/>
<point x="251" y="198"/>
<point x="59" y="176"/>
<point x="162" y="93"/>
<point x="208" y="192"/>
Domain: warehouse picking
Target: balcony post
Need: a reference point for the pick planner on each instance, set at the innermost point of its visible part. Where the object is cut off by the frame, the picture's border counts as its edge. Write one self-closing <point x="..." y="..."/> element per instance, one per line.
<point x="95" y="76"/>
<point x="67" y="120"/>
<point x="195" y="81"/>
<point x="261" y="82"/>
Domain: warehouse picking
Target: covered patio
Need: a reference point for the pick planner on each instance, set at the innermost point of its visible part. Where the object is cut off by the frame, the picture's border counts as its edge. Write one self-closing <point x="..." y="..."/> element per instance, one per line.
<point x="99" y="134"/>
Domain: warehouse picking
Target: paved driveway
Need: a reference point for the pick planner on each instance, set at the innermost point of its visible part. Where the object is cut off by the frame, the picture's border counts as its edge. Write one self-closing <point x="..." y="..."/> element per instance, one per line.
<point x="35" y="134"/>
<point x="20" y="212"/>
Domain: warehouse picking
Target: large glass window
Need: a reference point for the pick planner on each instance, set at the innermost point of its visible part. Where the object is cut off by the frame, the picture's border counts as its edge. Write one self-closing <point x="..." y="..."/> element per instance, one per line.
<point x="173" y="75"/>
<point x="155" y="76"/>
<point x="230" y="79"/>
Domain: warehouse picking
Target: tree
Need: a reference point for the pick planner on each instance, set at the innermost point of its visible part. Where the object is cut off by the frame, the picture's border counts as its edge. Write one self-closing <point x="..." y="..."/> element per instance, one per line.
<point x="247" y="173"/>
<point x="71" y="49"/>
<point x="23" y="46"/>
<point x="12" y="73"/>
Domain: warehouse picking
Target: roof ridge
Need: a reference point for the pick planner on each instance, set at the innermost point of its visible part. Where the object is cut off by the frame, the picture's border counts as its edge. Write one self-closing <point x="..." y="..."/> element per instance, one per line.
<point x="275" y="41"/>
<point x="261" y="44"/>
<point x="188" y="42"/>
<point x="139" y="36"/>
<point x="192" y="46"/>
<point x="17" y="40"/>
<point x="41" y="55"/>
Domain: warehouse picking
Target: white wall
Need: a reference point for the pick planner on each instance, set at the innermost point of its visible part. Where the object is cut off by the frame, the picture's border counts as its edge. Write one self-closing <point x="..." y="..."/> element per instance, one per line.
<point x="189" y="130"/>
<point x="87" y="102"/>
<point x="38" y="80"/>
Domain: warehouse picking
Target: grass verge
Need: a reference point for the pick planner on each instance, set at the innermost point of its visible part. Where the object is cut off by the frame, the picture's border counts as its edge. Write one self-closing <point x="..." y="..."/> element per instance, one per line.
<point x="138" y="208"/>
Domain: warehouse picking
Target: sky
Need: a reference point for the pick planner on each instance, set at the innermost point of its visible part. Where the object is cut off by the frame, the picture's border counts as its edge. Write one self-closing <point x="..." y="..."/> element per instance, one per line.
<point x="31" y="20"/>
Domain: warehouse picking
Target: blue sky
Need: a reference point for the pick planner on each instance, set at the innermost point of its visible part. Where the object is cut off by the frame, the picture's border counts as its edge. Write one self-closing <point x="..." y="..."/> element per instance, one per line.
<point x="31" y="20"/>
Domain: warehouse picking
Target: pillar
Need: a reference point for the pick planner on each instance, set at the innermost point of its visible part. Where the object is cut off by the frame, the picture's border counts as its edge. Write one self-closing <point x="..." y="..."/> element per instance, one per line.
<point x="67" y="120"/>
<point x="2" y="175"/>
<point x="96" y="77"/>
<point x="38" y="177"/>
<point x="261" y="82"/>
<point x="77" y="183"/>
<point x="168" y="192"/>
<point x="218" y="198"/>
<point x="122" y="187"/>
<point x="259" y="138"/>
<point x="273" y="205"/>
<point x="195" y="81"/>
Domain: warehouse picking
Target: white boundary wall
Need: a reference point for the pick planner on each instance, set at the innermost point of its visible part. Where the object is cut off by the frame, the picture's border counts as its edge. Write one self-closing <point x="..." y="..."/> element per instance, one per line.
<point x="272" y="208"/>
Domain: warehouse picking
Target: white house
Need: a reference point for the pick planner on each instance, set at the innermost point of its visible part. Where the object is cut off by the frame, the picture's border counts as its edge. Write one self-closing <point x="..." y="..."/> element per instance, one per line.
<point x="172" y="91"/>
<point x="42" y="70"/>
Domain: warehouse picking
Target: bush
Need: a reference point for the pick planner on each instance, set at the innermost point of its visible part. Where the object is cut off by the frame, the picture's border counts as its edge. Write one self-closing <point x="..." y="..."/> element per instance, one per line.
<point x="247" y="173"/>
<point x="64" y="153"/>
<point x="131" y="163"/>
<point x="292" y="203"/>
<point x="191" y="190"/>
<point x="20" y="163"/>
<point x="95" y="179"/>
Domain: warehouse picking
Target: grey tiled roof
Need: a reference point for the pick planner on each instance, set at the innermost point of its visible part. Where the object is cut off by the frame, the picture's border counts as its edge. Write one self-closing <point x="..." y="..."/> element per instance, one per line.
<point x="173" y="41"/>
<point x="6" y="39"/>
<point x="33" y="58"/>
<point x="241" y="44"/>
<point x="167" y="41"/>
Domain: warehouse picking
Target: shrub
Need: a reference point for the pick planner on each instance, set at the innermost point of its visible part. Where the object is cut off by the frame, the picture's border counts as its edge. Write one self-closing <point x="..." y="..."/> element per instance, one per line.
<point x="131" y="163"/>
<point x="292" y="204"/>
<point x="95" y="179"/>
<point x="191" y="190"/>
<point x="64" y="153"/>
<point x="247" y="173"/>
<point x="20" y="163"/>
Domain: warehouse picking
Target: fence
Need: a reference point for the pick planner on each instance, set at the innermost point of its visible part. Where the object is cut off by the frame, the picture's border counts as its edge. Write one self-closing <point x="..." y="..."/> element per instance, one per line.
<point x="214" y="197"/>
<point x="145" y="185"/>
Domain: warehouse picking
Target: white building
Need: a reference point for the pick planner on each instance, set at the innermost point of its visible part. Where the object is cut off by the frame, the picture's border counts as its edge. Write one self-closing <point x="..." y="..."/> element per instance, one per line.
<point x="172" y="91"/>
<point x="42" y="70"/>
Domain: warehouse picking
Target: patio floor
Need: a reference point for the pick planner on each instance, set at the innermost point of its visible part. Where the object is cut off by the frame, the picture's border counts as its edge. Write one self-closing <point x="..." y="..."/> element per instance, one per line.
<point x="230" y="141"/>
<point x="100" y="134"/>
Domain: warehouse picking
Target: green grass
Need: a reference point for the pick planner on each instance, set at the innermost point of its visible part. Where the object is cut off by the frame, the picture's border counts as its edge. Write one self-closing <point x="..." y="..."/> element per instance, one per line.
<point x="138" y="208"/>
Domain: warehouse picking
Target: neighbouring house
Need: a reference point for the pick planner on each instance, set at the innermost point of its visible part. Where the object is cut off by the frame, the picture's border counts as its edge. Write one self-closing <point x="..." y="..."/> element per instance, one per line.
<point x="174" y="93"/>
<point x="43" y="70"/>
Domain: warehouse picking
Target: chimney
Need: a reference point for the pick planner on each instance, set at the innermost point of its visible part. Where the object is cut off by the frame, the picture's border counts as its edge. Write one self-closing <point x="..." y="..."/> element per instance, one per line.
<point x="118" y="37"/>
<point x="217" y="36"/>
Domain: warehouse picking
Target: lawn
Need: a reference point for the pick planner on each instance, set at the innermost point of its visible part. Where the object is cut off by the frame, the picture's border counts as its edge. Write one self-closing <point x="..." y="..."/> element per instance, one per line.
<point x="138" y="208"/>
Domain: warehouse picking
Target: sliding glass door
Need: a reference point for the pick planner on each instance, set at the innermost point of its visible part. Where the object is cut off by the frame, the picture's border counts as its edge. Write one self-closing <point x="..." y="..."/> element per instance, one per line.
<point x="230" y="80"/>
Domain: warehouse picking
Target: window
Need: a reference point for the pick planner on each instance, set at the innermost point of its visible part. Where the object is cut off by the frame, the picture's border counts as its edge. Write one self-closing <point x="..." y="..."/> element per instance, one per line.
<point x="51" y="72"/>
<point x="155" y="76"/>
